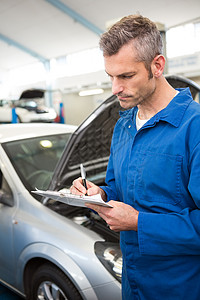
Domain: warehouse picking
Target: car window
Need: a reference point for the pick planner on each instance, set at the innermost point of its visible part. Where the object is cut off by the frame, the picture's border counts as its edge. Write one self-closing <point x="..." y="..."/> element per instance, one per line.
<point x="35" y="159"/>
<point x="3" y="103"/>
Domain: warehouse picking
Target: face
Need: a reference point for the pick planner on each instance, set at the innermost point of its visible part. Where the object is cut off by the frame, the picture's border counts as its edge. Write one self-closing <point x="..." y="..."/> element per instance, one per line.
<point x="130" y="79"/>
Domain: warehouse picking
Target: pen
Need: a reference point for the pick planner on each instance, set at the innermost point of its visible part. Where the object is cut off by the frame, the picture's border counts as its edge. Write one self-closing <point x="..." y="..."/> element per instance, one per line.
<point x="83" y="175"/>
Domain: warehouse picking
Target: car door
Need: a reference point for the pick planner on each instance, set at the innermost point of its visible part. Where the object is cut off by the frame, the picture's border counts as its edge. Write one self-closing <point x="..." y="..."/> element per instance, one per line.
<point x="5" y="112"/>
<point x="7" y="211"/>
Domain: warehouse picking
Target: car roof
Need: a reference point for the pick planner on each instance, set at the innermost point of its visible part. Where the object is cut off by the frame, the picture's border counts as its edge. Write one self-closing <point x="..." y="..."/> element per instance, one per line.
<point x="11" y="132"/>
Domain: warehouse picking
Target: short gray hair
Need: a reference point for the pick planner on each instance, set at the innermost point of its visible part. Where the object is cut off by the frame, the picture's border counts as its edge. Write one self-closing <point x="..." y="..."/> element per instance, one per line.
<point x="141" y="31"/>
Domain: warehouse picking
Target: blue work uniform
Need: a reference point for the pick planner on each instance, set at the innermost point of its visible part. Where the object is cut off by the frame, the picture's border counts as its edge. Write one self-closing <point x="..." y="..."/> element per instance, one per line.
<point x="156" y="170"/>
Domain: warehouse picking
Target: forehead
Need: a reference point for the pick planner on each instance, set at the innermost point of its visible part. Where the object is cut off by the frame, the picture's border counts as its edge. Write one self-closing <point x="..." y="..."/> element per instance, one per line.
<point x="124" y="61"/>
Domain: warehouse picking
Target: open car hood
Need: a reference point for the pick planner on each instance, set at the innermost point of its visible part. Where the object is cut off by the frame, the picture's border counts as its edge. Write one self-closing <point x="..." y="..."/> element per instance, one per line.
<point x="90" y="143"/>
<point x="32" y="93"/>
<point x="182" y="82"/>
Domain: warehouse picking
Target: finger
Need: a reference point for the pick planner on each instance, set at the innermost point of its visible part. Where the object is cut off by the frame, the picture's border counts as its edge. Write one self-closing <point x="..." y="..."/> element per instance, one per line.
<point x="92" y="190"/>
<point x="77" y="186"/>
<point x="114" y="228"/>
<point x="93" y="207"/>
<point x="74" y="191"/>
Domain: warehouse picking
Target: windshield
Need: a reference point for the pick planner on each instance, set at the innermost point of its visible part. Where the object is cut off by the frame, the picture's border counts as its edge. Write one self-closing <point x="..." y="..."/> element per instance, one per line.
<point x="35" y="159"/>
<point x="27" y="104"/>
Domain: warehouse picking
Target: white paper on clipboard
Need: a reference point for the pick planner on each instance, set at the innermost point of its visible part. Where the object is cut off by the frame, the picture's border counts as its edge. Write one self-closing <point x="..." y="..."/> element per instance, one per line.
<point x="71" y="199"/>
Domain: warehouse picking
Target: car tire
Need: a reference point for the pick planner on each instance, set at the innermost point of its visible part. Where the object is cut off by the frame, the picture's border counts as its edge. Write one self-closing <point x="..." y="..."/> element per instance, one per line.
<point x="49" y="282"/>
<point x="19" y="119"/>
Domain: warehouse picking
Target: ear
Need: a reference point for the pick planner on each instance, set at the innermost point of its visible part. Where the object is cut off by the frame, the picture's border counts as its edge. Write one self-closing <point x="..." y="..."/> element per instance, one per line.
<point x="158" y="65"/>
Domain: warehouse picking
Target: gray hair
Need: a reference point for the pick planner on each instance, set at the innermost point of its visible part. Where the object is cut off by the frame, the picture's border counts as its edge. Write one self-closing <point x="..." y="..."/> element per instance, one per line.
<point x="141" y="31"/>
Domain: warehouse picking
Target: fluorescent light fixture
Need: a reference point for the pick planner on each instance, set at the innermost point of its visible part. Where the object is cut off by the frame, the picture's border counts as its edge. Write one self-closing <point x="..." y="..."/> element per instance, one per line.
<point x="91" y="92"/>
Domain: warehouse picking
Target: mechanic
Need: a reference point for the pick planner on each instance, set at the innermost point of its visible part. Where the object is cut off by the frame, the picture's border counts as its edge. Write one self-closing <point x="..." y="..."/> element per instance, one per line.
<point x="153" y="174"/>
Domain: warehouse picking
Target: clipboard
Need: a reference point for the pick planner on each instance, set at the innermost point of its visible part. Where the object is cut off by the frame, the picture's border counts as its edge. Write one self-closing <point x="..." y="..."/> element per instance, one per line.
<point x="66" y="197"/>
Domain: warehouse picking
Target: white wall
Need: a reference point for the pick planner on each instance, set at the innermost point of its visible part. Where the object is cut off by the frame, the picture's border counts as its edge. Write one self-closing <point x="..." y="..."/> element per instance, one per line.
<point x="77" y="109"/>
<point x="187" y="65"/>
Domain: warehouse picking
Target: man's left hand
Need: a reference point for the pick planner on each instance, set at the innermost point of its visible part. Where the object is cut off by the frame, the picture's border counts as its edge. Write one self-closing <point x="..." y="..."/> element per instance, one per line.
<point x="121" y="217"/>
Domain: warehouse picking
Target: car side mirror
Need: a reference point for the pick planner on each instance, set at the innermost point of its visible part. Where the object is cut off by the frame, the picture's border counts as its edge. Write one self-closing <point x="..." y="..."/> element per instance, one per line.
<point x="6" y="198"/>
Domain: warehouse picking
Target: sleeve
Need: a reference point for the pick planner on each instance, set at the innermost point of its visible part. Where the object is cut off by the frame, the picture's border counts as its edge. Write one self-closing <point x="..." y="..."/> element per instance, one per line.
<point x="110" y="188"/>
<point x="174" y="233"/>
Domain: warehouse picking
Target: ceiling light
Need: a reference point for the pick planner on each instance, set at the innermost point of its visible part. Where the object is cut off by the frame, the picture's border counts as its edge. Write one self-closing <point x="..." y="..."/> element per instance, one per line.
<point x="91" y="92"/>
<point x="46" y="144"/>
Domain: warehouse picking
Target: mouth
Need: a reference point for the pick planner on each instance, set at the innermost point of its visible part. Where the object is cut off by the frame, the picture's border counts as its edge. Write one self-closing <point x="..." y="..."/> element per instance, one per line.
<point x="123" y="98"/>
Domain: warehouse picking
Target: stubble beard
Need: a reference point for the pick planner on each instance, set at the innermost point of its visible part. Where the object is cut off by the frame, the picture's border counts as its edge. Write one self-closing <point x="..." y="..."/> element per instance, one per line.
<point x="135" y="100"/>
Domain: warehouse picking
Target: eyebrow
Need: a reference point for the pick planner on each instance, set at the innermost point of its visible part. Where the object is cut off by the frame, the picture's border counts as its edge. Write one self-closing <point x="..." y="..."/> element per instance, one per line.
<point x="123" y="74"/>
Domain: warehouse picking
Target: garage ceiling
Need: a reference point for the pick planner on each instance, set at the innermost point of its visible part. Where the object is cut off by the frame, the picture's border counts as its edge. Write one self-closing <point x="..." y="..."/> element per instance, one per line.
<point x="43" y="29"/>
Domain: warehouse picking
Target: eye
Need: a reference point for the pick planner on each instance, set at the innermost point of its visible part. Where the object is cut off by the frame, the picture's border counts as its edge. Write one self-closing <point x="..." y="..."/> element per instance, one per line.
<point x="127" y="76"/>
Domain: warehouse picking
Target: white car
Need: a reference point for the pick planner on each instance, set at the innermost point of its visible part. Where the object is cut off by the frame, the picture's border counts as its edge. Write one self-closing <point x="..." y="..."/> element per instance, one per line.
<point x="25" y="112"/>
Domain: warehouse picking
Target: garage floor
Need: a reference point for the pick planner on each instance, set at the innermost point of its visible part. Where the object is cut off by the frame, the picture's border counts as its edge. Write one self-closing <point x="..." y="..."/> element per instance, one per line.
<point x="6" y="294"/>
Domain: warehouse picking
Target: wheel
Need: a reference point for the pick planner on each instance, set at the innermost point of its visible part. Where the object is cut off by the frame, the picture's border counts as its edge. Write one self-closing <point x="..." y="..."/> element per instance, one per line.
<point x="19" y="119"/>
<point x="50" y="283"/>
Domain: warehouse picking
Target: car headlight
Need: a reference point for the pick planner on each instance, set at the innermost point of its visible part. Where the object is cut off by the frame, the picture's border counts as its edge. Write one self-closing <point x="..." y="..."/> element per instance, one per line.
<point x="110" y="256"/>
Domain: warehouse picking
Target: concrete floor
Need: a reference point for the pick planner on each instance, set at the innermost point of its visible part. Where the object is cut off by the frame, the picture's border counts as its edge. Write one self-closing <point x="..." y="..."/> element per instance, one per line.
<point x="6" y="294"/>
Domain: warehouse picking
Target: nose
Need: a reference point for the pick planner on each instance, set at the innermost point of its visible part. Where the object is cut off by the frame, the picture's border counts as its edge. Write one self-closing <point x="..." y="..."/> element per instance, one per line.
<point x="116" y="86"/>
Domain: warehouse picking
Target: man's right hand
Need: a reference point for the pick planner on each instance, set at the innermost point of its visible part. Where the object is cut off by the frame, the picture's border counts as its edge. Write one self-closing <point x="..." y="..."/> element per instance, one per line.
<point x="77" y="188"/>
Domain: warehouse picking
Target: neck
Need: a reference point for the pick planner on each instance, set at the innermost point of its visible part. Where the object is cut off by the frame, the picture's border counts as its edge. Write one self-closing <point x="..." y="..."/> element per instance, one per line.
<point x="161" y="97"/>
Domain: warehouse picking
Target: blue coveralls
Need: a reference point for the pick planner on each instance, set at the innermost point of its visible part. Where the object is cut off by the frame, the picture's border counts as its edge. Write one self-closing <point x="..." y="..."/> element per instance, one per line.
<point x="157" y="171"/>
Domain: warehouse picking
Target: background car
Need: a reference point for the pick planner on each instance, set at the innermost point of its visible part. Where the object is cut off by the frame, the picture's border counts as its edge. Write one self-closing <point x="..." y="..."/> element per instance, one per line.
<point x="29" y="108"/>
<point x="50" y="250"/>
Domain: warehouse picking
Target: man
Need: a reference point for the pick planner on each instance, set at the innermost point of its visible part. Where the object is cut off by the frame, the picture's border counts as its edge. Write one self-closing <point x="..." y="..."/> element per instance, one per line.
<point x="153" y="174"/>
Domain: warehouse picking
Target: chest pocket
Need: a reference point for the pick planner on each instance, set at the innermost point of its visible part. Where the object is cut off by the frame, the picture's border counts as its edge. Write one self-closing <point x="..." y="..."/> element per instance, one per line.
<point x="159" y="178"/>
